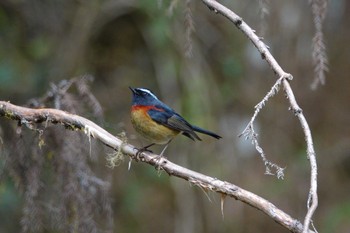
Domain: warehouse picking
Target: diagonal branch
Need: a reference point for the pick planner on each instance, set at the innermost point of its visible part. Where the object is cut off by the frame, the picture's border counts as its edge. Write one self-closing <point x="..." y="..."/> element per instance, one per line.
<point x="265" y="54"/>
<point x="30" y="117"/>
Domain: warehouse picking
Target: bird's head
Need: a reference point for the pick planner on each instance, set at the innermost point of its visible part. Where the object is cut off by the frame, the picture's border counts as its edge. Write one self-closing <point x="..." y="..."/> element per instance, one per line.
<point x="143" y="96"/>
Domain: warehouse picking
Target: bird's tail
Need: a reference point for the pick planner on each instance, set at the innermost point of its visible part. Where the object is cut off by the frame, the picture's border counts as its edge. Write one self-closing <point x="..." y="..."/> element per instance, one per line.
<point x="204" y="131"/>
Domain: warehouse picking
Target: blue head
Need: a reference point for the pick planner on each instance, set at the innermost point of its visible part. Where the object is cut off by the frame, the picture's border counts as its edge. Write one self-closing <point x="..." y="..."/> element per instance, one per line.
<point x="143" y="96"/>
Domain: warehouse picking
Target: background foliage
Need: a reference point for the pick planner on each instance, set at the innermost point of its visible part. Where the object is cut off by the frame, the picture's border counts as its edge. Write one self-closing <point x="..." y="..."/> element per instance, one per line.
<point x="147" y="43"/>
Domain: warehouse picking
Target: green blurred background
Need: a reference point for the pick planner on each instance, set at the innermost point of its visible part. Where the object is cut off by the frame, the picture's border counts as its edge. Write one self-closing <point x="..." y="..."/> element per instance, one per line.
<point x="144" y="44"/>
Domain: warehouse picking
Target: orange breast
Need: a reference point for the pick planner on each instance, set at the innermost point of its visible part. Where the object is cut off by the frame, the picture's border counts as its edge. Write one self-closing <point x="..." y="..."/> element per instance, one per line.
<point x="149" y="129"/>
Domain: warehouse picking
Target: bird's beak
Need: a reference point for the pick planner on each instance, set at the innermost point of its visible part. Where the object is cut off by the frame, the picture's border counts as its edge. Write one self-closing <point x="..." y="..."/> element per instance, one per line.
<point x="133" y="90"/>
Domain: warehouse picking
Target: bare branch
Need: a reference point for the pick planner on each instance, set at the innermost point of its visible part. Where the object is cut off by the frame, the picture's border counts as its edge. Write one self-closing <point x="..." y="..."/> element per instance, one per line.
<point x="249" y="133"/>
<point x="75" y="122"/>
<point x="265" y="54"/>
<point x="312" y="202"/>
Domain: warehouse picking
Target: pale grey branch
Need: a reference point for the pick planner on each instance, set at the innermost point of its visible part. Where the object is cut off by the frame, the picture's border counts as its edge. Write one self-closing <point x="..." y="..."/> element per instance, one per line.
<point x="265" y="54"/>
<point x="78" y="123"/>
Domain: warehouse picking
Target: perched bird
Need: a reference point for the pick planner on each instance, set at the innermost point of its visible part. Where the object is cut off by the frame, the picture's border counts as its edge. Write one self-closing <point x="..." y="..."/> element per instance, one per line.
<point x="157" y="122"/>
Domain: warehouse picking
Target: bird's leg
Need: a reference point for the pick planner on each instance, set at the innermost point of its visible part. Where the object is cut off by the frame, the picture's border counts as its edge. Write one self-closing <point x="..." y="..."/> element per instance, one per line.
<point x="143" y="149"/>
<point x="166" y="146"/>
<point x="146" y="147"/>
<point x="158" y="158"/>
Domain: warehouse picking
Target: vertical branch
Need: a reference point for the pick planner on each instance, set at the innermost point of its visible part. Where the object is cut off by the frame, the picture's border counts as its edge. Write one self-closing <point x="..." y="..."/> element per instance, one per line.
<point x="312" y="201"/>
<point x="265" y="53"/>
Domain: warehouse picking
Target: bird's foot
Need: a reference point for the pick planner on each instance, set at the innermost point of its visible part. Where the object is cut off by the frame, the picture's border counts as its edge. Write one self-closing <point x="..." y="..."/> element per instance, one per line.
<point x="159" y="160"/>
<point x="140" y="151"/>
<point x="159" y="157"/>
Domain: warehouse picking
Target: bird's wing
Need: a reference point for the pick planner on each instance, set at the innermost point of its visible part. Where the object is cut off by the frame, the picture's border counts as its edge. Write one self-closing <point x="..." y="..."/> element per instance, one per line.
<point x="172" y="120"/>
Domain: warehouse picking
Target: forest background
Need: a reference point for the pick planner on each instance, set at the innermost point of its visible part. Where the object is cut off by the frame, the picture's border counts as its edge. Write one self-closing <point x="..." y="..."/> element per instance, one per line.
<point x="205" y="68"/>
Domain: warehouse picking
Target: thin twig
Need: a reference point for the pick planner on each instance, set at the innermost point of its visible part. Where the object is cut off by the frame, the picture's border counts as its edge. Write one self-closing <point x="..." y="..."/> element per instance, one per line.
<point x="78" y="123"/>
<point x="249" y="133"/>
<point x="265" y="54"/>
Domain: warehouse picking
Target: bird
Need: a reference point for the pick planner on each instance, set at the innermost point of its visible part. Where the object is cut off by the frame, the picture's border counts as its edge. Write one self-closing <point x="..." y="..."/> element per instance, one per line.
<point x="157" y="122"/>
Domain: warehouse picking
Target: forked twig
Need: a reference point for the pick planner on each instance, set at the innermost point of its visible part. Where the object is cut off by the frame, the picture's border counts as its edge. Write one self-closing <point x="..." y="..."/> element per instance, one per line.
<point x="285" y="77"/>
<point x="249" y="133"/>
